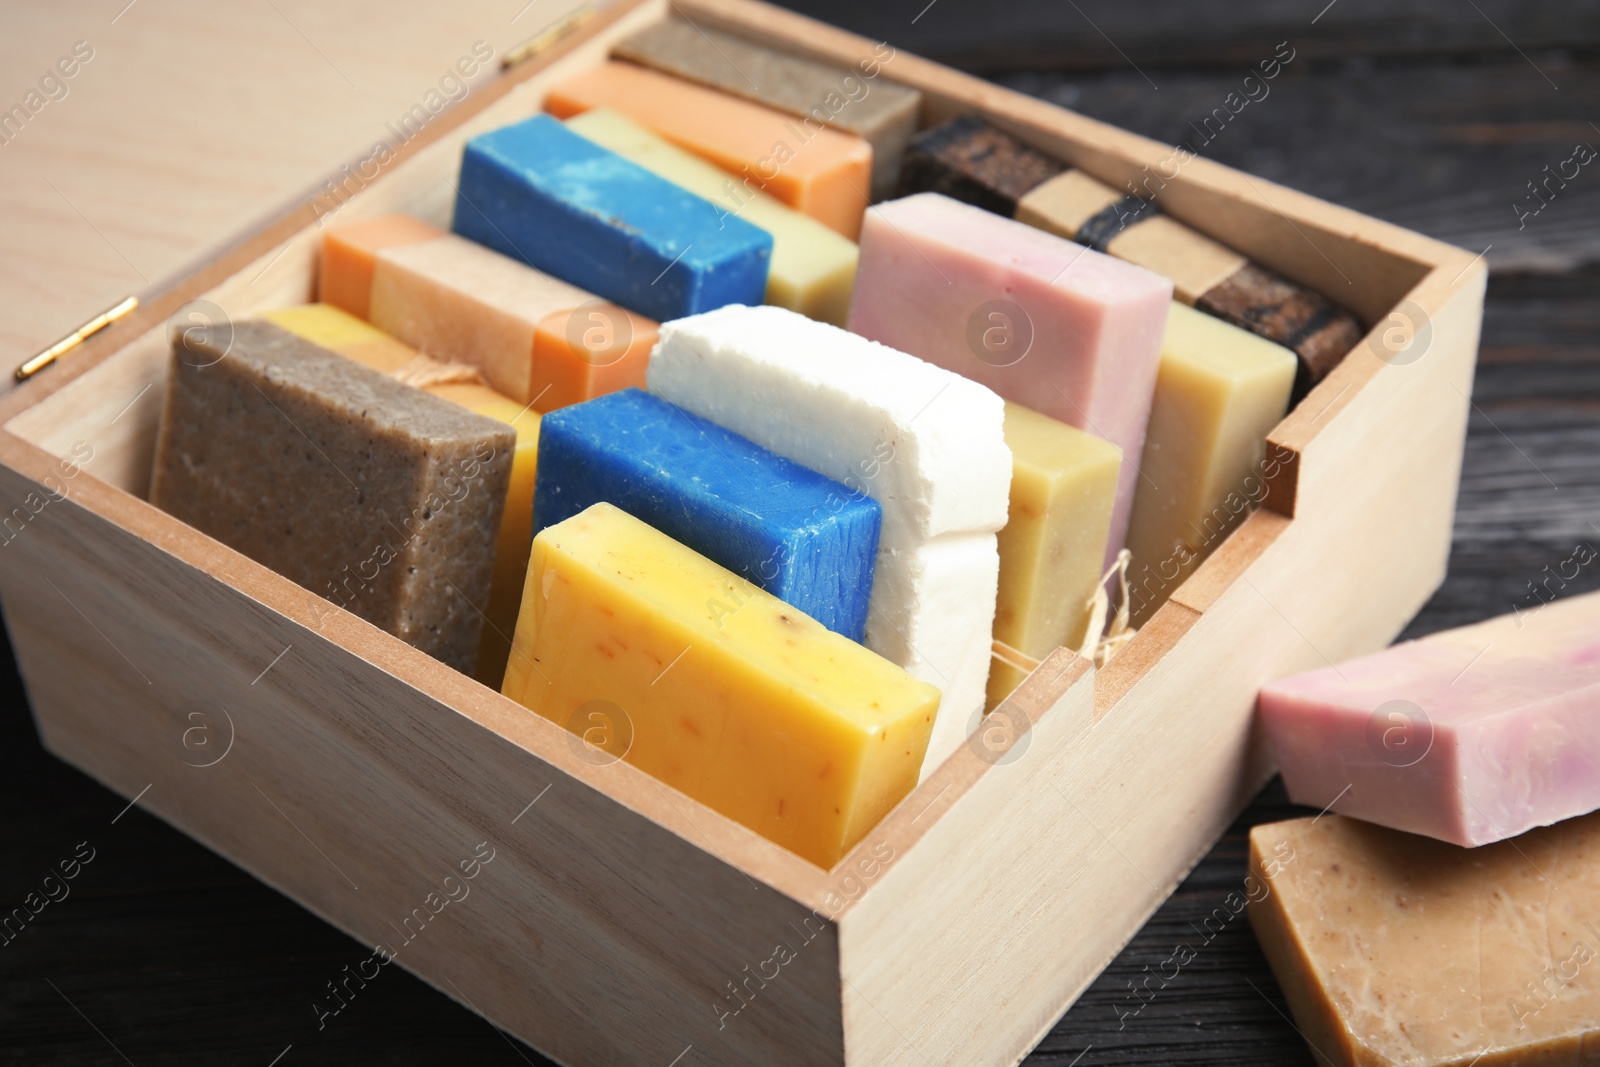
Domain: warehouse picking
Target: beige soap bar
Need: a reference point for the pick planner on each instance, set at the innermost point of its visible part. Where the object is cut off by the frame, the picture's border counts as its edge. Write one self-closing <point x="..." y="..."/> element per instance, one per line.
<point x="1219" y="391"/>
<point x="1063" y="486"/>
<point x="1399" y="950"/>
<point x="855" y="100"/>
<point x="380" y="497"/>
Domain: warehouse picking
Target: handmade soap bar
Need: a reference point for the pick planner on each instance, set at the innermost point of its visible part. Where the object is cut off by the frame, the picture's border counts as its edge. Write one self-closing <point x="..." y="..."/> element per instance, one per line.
<point x="1063" y="486"/>
<point x="802" y="537"/>
<point x="1041" y="321"/>
<point x="1397" y="951"/>
<point x="1214" y="279"/>
<point x="813" y="268"/>
<point x="344" y="277"/>
<point x="972" y="161"/>
<point x="378" y="496"/>
<point x="536" y="339"/>
<point x="822" y="172"/>
<point x="926" y="444"/>
<point x="1218" y="392"/>
<point x="347" y="335"/>
<point x="1470" y="735"/>
<point x="852" y="100"/>
<point x="538" y="192"/>
<point x="761" y="713"/>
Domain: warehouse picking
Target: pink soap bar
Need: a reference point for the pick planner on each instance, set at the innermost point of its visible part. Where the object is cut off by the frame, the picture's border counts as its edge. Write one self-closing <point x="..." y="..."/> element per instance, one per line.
<point x="1469" y="736"/>
<point x="1044" y="322"/>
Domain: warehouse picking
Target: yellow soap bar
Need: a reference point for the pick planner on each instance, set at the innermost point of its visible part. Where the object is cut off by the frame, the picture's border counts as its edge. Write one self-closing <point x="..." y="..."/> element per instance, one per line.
<point x="714" y="686"/>
<point x="1219" y="391"/>
<point x="1063" y="486"/>
<point x="341" y="332"/>
<point x="821" y="171"/>
<point x="813" y="268"/>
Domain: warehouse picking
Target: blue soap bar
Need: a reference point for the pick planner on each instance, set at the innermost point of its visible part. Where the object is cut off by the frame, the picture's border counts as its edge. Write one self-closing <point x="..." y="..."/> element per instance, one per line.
<point x="802" y="537"/>
<point x="540" y="193"/>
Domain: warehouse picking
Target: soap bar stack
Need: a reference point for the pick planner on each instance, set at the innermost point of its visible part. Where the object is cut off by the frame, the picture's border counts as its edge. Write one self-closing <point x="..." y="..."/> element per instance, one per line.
<point x="971" y="160"/>
<point x="926" y="444"/>
<point x="817" y="170"/>
<point x="1041" y="321"/>
<point x="800" y="536"/>
<point x="378" y="496"/>
<point x="852" y="100"/>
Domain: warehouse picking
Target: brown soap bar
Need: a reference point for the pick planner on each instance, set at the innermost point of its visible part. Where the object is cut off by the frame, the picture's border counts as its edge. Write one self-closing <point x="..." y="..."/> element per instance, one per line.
<point x="382" y="498"/>
<point x="970" y="160"/>
<point x="1319" y="332"/>
<point x="1398" y="949"/>
<point x="856" y="100"/>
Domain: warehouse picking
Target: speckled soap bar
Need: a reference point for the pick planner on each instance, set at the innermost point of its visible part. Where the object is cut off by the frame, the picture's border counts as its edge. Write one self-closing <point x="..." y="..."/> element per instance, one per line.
<point x="380" y="497"/>
<point x="854" y="100"/>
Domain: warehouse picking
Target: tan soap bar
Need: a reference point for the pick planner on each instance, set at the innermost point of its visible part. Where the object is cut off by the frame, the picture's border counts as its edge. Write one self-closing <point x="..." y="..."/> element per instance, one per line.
<point x="1219" y="391"/>
<point x="1394" y="949"/>
<point x="349" y="250"/>
<point x="380" y="497"/>
<point x="855" y="100"/>
<point x="1063" y="486"/>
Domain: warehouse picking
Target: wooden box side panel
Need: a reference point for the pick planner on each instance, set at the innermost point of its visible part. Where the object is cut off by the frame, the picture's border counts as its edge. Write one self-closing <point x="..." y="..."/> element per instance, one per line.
<point x="1368" y="547"/>
<point x="594" y="932"/>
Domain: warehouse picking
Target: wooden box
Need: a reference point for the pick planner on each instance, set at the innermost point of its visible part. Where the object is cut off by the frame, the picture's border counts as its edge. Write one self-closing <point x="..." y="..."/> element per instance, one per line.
<point x="618" y="921"/>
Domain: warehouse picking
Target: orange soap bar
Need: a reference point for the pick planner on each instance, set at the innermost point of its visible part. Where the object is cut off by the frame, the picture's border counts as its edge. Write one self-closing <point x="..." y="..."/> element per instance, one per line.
<point x="816" y="170"/>
<point x="349" y="251"/>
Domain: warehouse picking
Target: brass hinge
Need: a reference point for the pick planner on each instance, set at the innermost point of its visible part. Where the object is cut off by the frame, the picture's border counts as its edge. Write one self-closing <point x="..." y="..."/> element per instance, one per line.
<point x="76" y="338"/>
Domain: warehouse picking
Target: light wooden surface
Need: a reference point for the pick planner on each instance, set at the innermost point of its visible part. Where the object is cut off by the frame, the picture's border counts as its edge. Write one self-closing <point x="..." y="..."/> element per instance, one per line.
<point x="195" y="122"/>
<point x="948" y="951"/>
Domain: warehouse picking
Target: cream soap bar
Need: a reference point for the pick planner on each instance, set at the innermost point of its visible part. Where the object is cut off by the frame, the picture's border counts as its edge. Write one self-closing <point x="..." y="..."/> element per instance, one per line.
<point x="1469" y="736"/>
<point x="1397" y="951"/>
<point x="928" y="445"/>
<point x="821" y="172"/>
<point x="1219" y="391"/>
<point x="813" y="268"/>
<point x="1063" y="486"/>
<point x="760" y="713"/>
<point x="1041" y="321"/>
<point x="854" y="100"/>
<point x="378" y="496"/>
<point x="340" y="332"/>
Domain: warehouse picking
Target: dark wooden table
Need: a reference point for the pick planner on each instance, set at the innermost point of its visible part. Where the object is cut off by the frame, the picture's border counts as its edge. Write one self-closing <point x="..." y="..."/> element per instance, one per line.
<point x="1434" y="115"/>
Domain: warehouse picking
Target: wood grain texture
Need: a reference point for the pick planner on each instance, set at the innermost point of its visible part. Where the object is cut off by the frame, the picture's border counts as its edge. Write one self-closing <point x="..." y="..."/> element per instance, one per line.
<point x="201" y="114"/>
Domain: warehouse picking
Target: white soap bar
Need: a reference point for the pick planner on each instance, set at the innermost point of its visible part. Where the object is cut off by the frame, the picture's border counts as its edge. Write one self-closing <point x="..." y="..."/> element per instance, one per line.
<point x="925" y="443"/>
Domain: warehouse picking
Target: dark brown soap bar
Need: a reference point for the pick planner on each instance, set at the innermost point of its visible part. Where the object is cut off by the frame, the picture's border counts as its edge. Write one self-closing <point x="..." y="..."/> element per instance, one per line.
<point x="968" y="159"/>
<point x="382" y="498"/>
<point x="1318" y="331"/>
